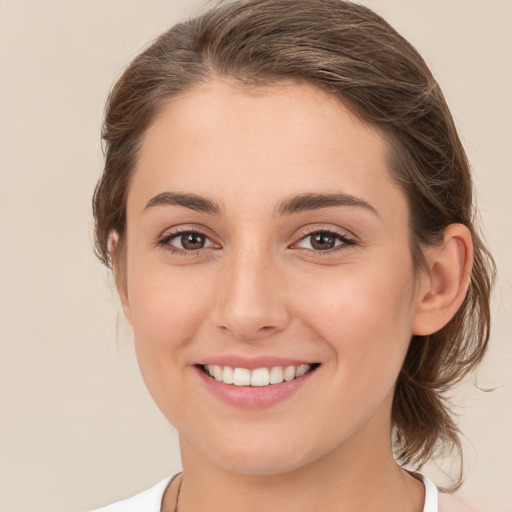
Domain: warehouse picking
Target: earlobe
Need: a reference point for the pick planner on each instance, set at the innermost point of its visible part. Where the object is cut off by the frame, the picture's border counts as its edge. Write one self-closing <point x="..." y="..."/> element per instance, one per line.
<point x="443" y="289"/>
<point x="118" y="259"/>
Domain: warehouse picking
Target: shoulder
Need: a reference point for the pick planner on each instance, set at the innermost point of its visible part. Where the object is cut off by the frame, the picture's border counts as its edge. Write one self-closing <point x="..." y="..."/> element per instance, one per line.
<point x="149" y="500"/>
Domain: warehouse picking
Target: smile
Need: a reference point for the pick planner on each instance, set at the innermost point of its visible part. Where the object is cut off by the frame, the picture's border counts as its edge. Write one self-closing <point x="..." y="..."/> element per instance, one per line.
<point x="258" y="377"/>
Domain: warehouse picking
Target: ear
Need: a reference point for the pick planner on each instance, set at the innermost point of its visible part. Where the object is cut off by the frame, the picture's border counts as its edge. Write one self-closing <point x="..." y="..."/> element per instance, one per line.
<point x="117" y="252"/>
<point x="443" y="289"/>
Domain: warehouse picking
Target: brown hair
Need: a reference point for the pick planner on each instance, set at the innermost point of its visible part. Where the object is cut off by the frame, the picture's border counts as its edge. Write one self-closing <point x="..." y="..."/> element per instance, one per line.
<point x="356" y="56"/>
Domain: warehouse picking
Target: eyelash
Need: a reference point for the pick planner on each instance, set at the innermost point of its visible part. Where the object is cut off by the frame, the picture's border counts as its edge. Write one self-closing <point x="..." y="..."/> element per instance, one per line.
<point x="342" y="237"/>
<point x="165" y="242"/>
<point x="345" y="240"/>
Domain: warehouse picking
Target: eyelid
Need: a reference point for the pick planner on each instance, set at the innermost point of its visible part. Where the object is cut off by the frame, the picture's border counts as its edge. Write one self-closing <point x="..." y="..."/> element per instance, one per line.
<point x="185" y="228"/>
<point x="346" y="237"/>
<point x="177" y="231"/>
<point x="322" y="228"/>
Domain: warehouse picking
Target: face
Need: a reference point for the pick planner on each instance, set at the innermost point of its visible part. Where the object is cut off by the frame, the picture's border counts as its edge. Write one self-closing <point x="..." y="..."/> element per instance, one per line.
<point x="268" y="245"/>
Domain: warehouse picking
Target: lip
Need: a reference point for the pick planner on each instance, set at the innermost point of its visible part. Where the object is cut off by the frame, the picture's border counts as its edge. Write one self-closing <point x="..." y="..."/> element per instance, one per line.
<point x="253" y="362"/>
<point x="253" y="397"/>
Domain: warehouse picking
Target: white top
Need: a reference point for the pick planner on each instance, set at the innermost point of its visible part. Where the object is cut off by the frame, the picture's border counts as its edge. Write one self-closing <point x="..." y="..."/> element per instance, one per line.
<point x="150" y="500"/>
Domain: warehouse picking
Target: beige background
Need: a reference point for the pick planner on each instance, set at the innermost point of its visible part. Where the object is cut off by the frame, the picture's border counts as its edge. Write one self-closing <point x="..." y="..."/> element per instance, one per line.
<point x="77" y="428"/>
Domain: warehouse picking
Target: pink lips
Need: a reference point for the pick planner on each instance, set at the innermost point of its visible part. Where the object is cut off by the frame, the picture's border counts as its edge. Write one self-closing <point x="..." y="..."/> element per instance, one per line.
<point x="252" y="363"/>
<point x="248" y="397"/>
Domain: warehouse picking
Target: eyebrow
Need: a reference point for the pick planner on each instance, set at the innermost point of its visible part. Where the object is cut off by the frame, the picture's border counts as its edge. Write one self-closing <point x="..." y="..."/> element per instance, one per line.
<point x="295" y="204"/>
<point x="305" y="202"/>
<point x="191" y="201"/>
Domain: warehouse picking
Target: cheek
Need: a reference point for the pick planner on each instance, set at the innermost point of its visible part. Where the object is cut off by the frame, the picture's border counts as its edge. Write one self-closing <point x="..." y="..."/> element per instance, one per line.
<point x="165" y="309"/>
<point x="365" y="316"/>
<point x="165" y="315"/>
<point x="365" y="320"/>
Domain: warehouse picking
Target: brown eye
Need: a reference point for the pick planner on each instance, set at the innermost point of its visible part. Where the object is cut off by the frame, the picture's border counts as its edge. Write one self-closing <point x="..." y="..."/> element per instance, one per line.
<point x="187" y="241"/>
<point x="322" y="241"/>
<point x="192" y="241"/>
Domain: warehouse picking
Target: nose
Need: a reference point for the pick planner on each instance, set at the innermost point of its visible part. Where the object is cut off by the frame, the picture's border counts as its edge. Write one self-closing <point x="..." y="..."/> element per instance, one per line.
<point x="250" y="303"/>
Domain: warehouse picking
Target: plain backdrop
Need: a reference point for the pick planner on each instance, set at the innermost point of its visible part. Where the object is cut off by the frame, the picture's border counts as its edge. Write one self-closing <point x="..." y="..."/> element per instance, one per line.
<point x="77" y="427"/>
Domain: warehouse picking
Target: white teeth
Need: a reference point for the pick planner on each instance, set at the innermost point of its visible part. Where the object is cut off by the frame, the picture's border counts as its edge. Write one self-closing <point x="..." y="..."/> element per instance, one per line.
<point x="227" y="375"/>
<point x="302" y="369"/>
<point x="217" y="372"/>
<point x="242" y="377"/>
<point x="258" y="377"/>
<point x="289" y="373"/>
<point x="276" y="375"/>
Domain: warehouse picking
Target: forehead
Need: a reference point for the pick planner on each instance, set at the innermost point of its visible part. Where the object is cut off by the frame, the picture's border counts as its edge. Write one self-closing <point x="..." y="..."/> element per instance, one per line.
<point x="248" y="146"/>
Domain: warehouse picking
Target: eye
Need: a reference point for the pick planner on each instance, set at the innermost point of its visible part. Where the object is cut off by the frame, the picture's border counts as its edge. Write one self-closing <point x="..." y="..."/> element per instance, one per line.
<point x="187" y="241"/>
<point x="323" y="241"/>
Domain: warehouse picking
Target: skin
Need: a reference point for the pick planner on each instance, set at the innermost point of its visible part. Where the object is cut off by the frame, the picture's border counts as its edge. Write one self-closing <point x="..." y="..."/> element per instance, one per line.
<point x="258" y="287"/>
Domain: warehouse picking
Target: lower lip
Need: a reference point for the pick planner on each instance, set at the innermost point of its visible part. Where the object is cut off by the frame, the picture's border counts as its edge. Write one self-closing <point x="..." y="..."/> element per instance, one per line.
<point x="253" y="397"/>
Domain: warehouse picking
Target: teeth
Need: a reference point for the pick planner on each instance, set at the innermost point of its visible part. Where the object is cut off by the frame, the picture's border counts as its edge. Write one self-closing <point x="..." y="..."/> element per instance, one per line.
<point x="241" y="377"/>
<point x="289" y="373"/>
<point x="301" y="370"/>
<point x="276" y="375"/>
<point x="258" y="377"/>
<point x="217" y="373"/>
<point x="227" y="375"/>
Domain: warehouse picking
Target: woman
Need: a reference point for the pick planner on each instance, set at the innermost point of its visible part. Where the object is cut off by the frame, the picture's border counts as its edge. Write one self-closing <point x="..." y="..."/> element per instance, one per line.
<point x="287" y="209"/>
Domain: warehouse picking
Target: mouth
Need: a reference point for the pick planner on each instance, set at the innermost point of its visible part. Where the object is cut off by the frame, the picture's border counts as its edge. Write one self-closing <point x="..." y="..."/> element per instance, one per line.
<point x="257" y="377"/>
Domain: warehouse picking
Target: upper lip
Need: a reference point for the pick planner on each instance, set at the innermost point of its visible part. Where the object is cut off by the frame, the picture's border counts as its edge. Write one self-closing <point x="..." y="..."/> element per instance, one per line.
<point x="252" y="363"/>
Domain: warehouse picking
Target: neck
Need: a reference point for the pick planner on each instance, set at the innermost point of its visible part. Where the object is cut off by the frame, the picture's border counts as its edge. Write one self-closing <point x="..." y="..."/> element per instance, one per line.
<point x="358" y="476"/>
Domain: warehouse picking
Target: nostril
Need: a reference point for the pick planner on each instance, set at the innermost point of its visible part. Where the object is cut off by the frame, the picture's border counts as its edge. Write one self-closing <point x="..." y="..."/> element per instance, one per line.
<point x="248" y="332"/>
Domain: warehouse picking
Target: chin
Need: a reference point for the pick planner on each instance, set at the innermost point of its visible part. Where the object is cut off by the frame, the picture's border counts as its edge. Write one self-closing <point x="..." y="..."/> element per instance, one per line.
<point x="263" y="458"/>
<point x="270" y="465"/>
